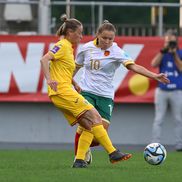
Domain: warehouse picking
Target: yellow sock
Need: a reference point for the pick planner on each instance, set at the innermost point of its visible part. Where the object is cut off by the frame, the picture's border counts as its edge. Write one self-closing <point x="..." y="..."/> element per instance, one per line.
<point x="101" y="135"/>
<point x="79" y="129"/>
<point x="84" y="143"/>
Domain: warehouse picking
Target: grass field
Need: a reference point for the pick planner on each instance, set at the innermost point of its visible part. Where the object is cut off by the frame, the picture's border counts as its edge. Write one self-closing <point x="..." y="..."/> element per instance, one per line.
<point x="55" y="166"/>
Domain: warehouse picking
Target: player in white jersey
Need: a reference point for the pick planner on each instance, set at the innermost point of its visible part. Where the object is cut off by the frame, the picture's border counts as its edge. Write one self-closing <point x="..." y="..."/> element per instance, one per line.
<point x="99" y="67"/>
<point x="100" y="59"/>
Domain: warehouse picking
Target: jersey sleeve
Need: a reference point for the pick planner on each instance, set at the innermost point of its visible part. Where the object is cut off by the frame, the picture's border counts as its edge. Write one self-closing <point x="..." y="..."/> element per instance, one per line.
<point x="124" y="58"/>
<point x="57" y="51"/>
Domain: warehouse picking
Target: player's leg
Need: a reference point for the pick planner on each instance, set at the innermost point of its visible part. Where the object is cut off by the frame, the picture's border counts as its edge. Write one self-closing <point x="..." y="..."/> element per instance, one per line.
<point x="106" y="126"/>
<point x="88" y="156"/>
<point x="77" y="137"/>
<point x="73" y="106"/>
<point x="94" y="142"/>
<point x="91" y="100"/>
<point x="104" y="107"/>
<point x="77" y="110"/>
<point x="100" y="134"/>
<point x="161" y="103"/>
<point x="92" y="122"/>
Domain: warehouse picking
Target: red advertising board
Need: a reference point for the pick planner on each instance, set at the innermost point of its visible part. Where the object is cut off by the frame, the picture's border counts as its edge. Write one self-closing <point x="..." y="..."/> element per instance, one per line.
<point x="21" y="77"/>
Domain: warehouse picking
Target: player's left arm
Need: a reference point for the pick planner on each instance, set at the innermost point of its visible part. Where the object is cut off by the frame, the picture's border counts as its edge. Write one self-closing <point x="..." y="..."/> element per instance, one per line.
<point x="45" y="66"/>
<point x="145" y="72"/>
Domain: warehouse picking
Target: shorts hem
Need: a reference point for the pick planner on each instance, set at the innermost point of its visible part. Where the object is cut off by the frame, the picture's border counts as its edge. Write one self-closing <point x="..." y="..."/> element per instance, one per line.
<point x="79" y="116"/>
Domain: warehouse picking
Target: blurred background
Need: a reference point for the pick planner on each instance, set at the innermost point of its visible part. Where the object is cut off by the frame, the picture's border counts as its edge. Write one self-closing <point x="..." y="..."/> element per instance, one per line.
<point x="131" y="17"/>
<point x="27" y="29"/>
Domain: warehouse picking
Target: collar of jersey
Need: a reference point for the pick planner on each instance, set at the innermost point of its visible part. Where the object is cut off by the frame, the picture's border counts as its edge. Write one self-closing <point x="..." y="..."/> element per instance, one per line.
<point x="67" y="42"/>
<point x="95" y="43"/>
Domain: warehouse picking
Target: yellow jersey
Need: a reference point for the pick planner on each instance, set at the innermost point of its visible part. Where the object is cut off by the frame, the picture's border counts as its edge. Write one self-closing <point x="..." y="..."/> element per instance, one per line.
<point x="62" y="66"/>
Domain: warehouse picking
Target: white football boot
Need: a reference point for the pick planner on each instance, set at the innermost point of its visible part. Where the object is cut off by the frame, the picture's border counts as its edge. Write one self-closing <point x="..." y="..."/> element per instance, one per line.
<point x="88" y="157"/>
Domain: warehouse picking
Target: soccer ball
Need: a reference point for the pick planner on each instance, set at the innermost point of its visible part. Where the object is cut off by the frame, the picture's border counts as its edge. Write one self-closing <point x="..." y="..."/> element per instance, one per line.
<point x="155" y="153"/>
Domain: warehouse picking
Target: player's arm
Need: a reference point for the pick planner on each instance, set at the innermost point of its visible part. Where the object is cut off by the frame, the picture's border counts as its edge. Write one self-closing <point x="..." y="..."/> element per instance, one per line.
<point x="74" y="83"/>
<point x="145" y="72"/>
<point x="76" y="86"/>
<point x="45" y="66"/>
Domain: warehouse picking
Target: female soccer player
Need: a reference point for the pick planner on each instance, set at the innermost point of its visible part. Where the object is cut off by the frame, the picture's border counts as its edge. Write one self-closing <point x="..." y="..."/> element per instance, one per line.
<point x="75" y="108"/>
<point x="100" y="59"/>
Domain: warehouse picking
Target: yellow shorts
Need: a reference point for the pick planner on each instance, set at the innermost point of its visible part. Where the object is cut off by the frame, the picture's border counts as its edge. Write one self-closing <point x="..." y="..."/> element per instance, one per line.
<point x="72" y="104"/>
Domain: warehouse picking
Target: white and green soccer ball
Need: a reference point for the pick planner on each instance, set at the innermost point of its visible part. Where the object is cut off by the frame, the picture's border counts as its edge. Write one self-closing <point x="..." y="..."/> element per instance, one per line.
<point x="155" y="153"/>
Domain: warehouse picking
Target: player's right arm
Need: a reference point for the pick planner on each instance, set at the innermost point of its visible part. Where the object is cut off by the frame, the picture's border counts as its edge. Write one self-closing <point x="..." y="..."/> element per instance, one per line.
<point x="145" y="72"/>
<point x="45" y="66"/>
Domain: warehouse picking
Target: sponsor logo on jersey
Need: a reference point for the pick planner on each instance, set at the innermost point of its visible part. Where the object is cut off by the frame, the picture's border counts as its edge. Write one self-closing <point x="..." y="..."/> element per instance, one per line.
<point x="55" y="49"/>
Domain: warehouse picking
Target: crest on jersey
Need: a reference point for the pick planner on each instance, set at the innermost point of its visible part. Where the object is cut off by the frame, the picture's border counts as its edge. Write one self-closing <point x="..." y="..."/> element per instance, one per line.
<point x="106" y="53"/>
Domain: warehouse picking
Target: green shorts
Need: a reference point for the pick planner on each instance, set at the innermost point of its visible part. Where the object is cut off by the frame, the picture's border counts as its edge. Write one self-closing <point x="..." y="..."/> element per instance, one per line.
<point x="103" y="105"/>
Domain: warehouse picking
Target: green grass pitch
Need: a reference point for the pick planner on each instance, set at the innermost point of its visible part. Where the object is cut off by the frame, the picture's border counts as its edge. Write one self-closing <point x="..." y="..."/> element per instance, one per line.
<point x="55" y="166"/>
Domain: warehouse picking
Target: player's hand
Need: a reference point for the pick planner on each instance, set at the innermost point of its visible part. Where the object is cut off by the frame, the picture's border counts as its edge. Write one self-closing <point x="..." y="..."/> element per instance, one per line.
<point x="77" y="88"/>
<point x="162" y="78"/>
<point x="53" y="84"/>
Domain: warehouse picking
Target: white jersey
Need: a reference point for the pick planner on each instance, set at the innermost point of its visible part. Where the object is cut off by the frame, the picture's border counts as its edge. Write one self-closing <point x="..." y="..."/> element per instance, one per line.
<point x="99" y="67"/>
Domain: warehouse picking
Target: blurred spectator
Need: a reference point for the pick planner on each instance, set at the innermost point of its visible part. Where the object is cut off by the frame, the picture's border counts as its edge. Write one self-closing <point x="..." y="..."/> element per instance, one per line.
<point x="169" y="61"/>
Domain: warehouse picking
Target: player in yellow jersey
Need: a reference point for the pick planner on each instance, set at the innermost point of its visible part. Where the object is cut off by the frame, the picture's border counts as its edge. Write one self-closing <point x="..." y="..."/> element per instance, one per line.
<point x="58" y="66"/>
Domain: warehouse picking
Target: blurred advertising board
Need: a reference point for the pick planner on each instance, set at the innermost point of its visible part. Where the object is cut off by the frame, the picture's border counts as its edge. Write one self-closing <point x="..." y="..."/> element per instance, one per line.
<point x="22" y="80"/>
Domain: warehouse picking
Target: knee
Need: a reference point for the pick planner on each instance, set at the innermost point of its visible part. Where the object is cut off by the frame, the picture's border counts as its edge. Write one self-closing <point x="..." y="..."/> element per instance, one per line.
<point x="86" y="124"/>
<point x="94" y="117"/>
<point x="89" y="119"/>
<point x="105" y="125"/>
